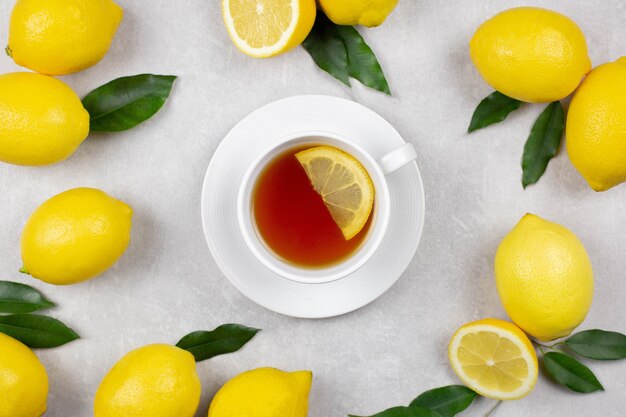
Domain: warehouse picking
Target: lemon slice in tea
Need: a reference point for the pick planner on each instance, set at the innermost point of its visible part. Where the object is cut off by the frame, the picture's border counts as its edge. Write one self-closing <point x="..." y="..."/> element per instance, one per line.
<point x="494" y="358"/>
<point x="343" y="184"/>
<point x="265" y="28"/>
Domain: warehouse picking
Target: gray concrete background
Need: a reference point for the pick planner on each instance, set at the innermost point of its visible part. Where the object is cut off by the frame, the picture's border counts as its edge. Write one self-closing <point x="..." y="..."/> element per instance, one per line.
<point x="383" y="355"/>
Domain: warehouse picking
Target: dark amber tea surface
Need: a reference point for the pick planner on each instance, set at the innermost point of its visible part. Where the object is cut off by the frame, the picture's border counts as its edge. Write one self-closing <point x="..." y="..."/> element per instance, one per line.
<point x="292" y="218"/>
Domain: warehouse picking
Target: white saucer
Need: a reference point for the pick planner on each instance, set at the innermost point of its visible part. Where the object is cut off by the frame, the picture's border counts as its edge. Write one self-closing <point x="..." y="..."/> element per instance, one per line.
<point x="255" y="133"/>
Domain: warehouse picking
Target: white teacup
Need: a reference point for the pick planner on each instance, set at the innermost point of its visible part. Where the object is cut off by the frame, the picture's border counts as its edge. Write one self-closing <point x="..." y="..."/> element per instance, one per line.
<point x="377" y="171"/>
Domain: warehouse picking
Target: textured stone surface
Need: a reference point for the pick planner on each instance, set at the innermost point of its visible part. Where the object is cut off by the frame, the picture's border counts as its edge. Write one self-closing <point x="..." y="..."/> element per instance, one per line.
<point x="388" y="352"/>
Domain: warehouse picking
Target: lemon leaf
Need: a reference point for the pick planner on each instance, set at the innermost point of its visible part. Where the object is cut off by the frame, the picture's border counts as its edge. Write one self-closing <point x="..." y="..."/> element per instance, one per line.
<point x="226" y="338"/>
<point x="20" y="298"/>
<point x="37" y="331"/>
<point x="414" y="411"/>
<point x="447" y="401"/>
<point x="543" y="143"/>
<point x="342" y="52"/>
<point x="362" y="63"/>
<point x="598" y="344"/>
<point x="126" y="102"/>
<point x="569" y="372"/>
<point x="492" y="109"/>
<point x="327" y="49"/>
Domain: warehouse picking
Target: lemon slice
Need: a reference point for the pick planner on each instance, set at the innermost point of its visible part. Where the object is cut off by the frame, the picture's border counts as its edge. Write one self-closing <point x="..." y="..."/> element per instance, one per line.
<point x="265" y="28"/>
<point x="343" y="184"/>
<point x="494" y="358"/>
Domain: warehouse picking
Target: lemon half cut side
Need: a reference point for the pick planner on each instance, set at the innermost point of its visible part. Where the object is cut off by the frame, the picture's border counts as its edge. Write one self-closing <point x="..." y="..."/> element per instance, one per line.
<point x="265" y="28"/>
<point x="495" y="358"/>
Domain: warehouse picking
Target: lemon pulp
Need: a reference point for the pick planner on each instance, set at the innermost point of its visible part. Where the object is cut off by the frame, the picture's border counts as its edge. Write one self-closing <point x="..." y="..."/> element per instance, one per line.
<point x="265" y="28"/>
<point x="494" y="358"/>
<point x="343" y="184"/>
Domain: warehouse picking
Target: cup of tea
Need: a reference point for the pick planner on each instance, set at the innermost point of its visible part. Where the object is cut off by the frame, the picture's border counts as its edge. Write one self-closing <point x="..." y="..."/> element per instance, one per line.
<point x="288" y="226"/>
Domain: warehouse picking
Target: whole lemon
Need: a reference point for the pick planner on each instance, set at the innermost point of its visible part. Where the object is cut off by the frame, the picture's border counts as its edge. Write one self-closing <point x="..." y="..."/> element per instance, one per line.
<point x="596" y="126"/>
<point x="42" y="121"/>
<point x="23" y="380"/>
<point x="531" y="54"/>
<point x="368" y="13"/>
<point x="57" y="37"/>
<point x="264" y="392"/>
<point x="75" y="236"/>
<point x="544" y="278"/>
<point x="152" y="381"/>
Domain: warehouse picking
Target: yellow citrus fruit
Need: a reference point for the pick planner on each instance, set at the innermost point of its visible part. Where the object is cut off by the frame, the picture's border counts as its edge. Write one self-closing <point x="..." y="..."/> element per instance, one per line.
<point x="494" y="358"/>
<point x="42" y="121"/>
<point x="23" y="380"/>
<point x="531" y="54"/>
<point x="544" y="278"/>
<point x="368" y="13"/>
<point x="57" y="37"/>
<point x="264" y="392"/>
<point x="596" y="126"/>
<point x="154" y="380"/>
<point x="75" y="236"/>
<point x="265" y="28"/>
<point x="343" y="184"/>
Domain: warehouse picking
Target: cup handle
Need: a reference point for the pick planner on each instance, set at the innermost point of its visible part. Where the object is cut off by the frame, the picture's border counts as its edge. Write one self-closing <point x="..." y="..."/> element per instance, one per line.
<point x="398" y="158"/>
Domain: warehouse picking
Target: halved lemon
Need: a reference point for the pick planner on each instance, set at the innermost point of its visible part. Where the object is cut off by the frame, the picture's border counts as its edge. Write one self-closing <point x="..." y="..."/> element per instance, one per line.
<point x="343" y="184"/>
<point x="495" y="358"/>
<point x="265" y="28"/>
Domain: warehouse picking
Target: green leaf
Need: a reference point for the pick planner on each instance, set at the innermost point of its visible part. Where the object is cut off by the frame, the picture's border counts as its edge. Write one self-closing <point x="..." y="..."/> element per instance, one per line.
<point x="227" y="338"/>
<point x="415" y="411"/>
<point x="569" y="372"/>
<point x="543" y="143"/>
<point x="598" y="344"/>
<point x="362" y="63"/>
<point x="342" y="52"/>
<point x="492" y="109"/>
<point x="37" y="331"/>
<point x="125" y="102"/>
<point x="447" y="401"/>
<point x="20" y="298"/>
<point x="327" y="49"/>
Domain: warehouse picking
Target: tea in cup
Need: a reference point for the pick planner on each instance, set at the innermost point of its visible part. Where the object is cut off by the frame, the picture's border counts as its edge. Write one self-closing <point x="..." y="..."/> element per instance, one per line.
<point x="315" y="206"/>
